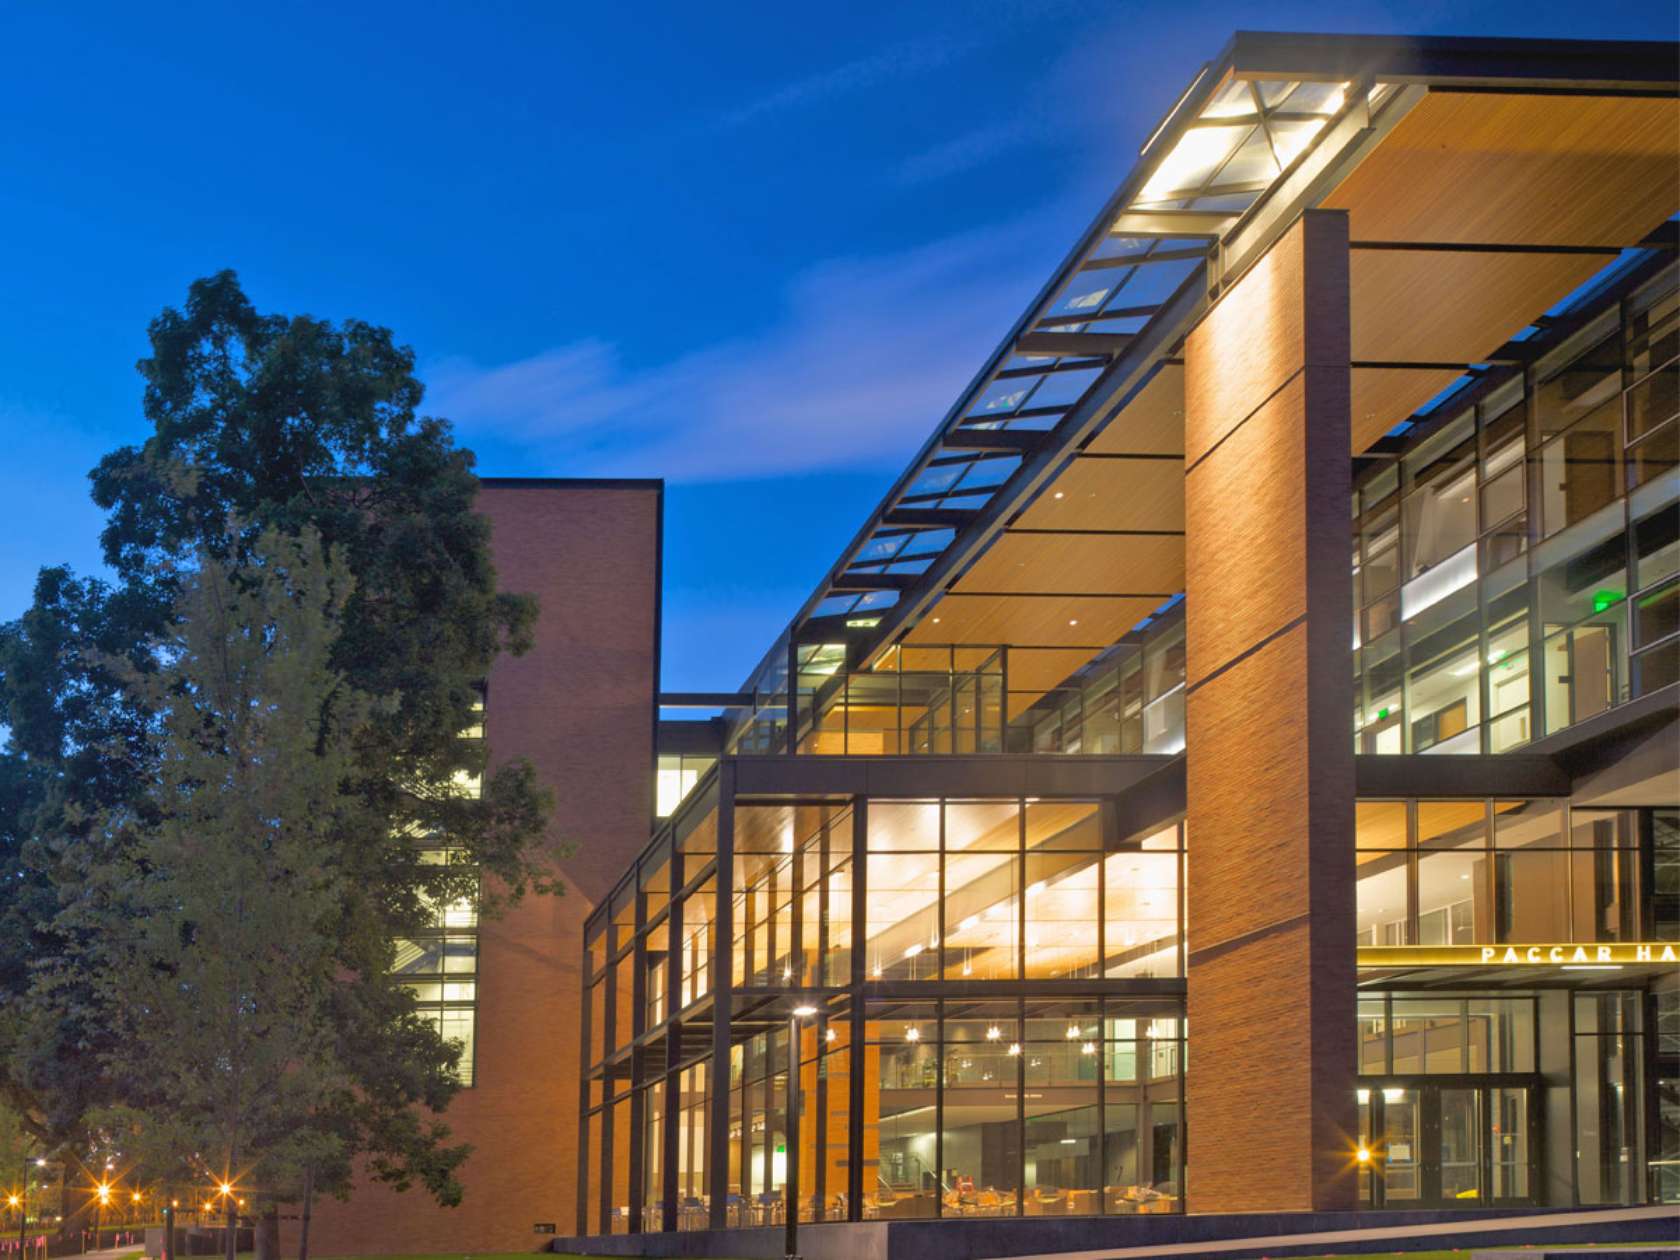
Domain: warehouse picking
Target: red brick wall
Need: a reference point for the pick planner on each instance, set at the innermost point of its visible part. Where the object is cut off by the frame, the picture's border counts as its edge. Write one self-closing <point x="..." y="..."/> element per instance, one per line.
<point x="580" y="706"/>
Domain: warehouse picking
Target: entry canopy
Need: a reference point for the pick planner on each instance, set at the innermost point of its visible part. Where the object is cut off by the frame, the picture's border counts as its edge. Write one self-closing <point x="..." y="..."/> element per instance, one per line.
<point x="1485" y="181"/>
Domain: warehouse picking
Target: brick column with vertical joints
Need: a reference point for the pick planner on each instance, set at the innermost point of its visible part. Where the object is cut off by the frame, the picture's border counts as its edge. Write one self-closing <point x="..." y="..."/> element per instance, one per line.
<point x="1271" y="1115"/>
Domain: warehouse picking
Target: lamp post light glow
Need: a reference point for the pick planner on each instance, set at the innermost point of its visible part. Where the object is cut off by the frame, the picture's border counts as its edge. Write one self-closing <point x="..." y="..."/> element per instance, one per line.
<point x="22" y="1203"/>
<point x="803" y="1011"/>
<point x="102" y="1196"/>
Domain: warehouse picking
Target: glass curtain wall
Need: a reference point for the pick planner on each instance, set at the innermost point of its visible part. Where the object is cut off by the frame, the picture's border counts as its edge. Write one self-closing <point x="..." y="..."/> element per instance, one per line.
<point x="1023" y="1107"/>
<point x="649" y="958"/>
<point x="1482" y="872"/>
<point x="1515" y="573"/>
<point x="1011" y="1104"/>
<point x="1609" y="1060"/>
<point x="1025" y="889"/>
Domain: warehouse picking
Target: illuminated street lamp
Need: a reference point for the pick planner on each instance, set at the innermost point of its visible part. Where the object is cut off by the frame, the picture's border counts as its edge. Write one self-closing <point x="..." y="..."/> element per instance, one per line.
<point x="102" y="1195"/>
<point x="801" y="1012"/>
<point x="230" y="1207"/>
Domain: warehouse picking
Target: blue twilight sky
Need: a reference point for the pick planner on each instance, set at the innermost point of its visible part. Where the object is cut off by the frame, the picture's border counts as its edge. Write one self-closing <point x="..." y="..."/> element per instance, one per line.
<point x="753" y="249"/>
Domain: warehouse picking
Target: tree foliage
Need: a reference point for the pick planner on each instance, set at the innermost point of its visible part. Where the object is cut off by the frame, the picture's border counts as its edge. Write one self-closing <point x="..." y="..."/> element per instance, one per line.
<point x="209" y="929"/>
<point x="263" y="427"/>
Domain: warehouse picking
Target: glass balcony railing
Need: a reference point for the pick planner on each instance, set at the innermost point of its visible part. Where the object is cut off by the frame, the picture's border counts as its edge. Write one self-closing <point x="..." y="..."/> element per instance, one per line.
<point x="964" y="699"/>
<point x="1515" y="571"/>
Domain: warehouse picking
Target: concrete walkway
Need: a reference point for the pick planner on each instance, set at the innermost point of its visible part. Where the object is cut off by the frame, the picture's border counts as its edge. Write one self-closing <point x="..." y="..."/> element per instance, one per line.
<point x="1329" y="1241"/>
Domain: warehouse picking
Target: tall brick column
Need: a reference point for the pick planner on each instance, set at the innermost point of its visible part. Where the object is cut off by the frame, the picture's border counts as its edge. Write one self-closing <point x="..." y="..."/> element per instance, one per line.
<point x="1269" y="703"/>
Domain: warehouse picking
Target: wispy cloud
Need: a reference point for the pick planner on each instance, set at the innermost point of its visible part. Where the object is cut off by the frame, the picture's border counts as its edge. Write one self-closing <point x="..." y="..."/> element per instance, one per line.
<point x="854" y="372"/>
<point x="965" y="152"/>
<point x="898" y="61"/>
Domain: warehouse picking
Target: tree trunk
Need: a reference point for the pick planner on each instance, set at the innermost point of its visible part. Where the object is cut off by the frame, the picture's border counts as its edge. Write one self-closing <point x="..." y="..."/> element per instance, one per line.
<point x="308" y="1207"/>
<point x="268" y="1232"/>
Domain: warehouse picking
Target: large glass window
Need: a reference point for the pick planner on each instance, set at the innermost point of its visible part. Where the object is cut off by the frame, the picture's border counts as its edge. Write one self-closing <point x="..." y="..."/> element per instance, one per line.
<point x="1452" y="880"/>
<point x="792" y="892"/>
<point x="1608" y="1099"/>
<point x="1516" y="613"/>
<point x="903" y="1042"/>
<point x="982" y="890"/>
<point x="439" y="968"/>
<point x="903" y="883"/>
<point x="693" y="1129"/>
<point x="1141" y="892"/>
<point x="1063" y="869"/>
<point x="1018" y="889"/>
<point x="980" y="1135"/>
<point x="1472" y="872"/>
<point x="1408" y="1034"/>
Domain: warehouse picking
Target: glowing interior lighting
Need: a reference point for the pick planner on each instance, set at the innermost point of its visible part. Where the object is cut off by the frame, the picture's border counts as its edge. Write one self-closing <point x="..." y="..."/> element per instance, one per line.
<point x="912" y="1034"/>
<point x="994" y="1033"/>
<point x="973" y="920"/>
<point x="915" y="949"/>
<point x="1014" y="1047"/>
<point x="1088" y="1048"/>
<point x="1073" y="1031"/>
<point x="830" y="1035"/>
<point x="804" y="1012"/>
<point x="1192" y="160"/>
<point x="1363" y="1155"/>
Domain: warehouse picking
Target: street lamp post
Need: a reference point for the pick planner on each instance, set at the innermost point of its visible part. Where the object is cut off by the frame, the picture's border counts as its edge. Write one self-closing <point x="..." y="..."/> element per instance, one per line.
<point x="791" y="1247"/>
<point x="101" y="1196"/>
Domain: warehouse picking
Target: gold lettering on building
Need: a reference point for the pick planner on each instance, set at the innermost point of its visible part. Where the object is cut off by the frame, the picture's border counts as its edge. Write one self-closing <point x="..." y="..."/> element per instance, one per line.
<point x="1611" y="954"/>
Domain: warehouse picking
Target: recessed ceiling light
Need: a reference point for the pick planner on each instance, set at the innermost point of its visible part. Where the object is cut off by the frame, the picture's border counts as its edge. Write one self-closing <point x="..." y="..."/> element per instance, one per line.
<point x="1073" y="621"/>
<point x="1058" y="494"/>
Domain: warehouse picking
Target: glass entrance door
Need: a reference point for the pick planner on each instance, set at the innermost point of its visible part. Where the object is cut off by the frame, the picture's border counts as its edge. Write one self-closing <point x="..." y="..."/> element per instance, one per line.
<point x="1460" y="1148"/>
<point x="1457" y="1143"/>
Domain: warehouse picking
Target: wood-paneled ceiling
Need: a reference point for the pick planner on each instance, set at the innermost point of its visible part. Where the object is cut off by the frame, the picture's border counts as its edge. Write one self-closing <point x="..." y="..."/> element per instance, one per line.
<point x="1093" y="553"/>
<point x="1490" y="168"/>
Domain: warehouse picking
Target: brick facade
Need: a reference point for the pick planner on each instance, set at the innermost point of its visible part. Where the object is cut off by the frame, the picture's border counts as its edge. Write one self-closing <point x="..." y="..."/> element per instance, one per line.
<point x="581" y="706"/>
<point x="1270" y="765"/>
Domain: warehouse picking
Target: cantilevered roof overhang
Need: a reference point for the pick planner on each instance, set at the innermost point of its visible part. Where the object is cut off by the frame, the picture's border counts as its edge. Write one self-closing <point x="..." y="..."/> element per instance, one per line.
<point x="1485" y="180"/>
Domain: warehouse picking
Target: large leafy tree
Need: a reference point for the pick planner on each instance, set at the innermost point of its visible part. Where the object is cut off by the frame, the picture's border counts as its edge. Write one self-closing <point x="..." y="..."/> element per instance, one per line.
<point x="208" y="930"/>
<point x="264" y="423"/>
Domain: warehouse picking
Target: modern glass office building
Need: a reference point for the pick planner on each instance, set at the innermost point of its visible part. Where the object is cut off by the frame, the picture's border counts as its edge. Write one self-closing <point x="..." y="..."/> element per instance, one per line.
<point x="1237" y="766"/>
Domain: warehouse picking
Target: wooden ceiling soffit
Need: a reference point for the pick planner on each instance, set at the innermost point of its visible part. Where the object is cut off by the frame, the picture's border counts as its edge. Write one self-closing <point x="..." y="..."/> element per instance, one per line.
<point x="1071" y="564"/>
<point x="1383" y="397"/>
<point x="1520" y="169"/>
<point x="1112" y="493"/>
<point x="1489" y="168"/>
<point x="1066" y="621"/>
<point x="1152" y="423"/>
